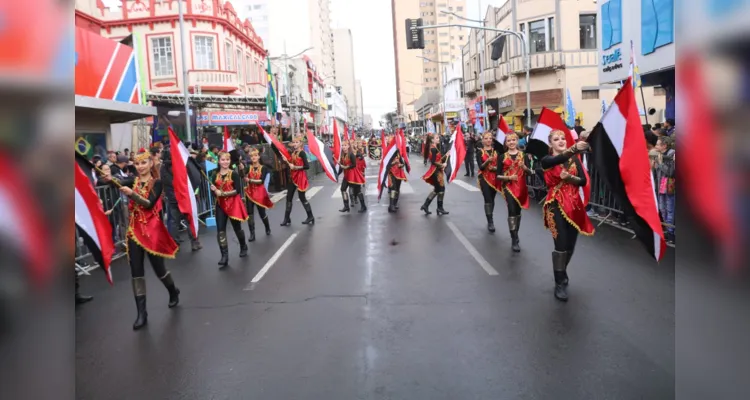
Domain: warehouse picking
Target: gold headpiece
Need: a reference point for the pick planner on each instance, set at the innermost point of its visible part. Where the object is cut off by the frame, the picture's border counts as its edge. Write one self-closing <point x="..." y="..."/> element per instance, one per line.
<point x="555" y="132"/>
<point x="253" y="151"/>
<point x="142" y="155"/>
<point x="511" y="135"/>
<point x="298" y="137"/>
<point x="488" y="135"/>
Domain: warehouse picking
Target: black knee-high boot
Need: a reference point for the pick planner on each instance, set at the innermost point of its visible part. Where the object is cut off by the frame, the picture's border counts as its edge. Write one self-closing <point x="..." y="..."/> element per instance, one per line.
<point x="80" y="299"/>
<point x="426" y="206"/>
<point x="241" y="238"/>
<point x="251" y="229"/>
<point x="392" y="205"/>
<point x="345" y="196"/>
<point x="569" y="255"/>
<point x="352" y="196"/>
<point x="488" y="210"/>
<point x="362" y="205"/>
<point x="223" y="248"/>
<point x="440" y="209"/>
<point x="287" y="221"/>
<point x="395" y="200"/>
<point x="310" y="218"/>
<point x="559" y="258"/>
<point x="513" y="224"/>
<point x="174" y="292"/>
<point x="139" y="292"/>
<point x="266" y="224"/>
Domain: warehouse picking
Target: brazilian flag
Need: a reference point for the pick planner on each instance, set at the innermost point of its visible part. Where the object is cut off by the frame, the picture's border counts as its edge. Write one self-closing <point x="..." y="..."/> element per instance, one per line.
<point x="271" y="96"/>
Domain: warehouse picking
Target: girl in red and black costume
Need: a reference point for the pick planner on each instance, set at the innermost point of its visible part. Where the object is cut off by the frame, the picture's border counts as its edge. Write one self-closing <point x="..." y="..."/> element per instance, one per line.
<point x="229" y="207"/>
<point x="353" y="177"/>
<point x="298" y="165"/>
<point x="511" y="179"/>
<point x="564" y="214"/>
<point x="147" y="235"/>
<point x="487" y="162"/>
<point x="435" y="176"/>
<point x="396" y="175"/>
<point x="256" y="193"/>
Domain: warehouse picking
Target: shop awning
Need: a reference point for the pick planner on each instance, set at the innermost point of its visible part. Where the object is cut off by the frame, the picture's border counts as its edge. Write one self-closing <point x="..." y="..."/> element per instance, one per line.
<point x="117" y="111"/>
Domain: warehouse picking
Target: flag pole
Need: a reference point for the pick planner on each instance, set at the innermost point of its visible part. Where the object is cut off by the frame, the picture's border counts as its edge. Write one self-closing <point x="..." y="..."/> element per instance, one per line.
<point x="645" y="109"/>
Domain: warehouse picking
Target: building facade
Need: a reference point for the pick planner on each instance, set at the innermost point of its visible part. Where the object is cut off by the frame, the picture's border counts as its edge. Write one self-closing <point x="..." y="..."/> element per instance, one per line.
<point x="645" y="35"/>
<point x="345" y="76"/>
<point x="224" y="54"/>
<point x="311" y="22"/>
<point x="359" y="100"/>
<point x="409" y="69"/>
<point x="564" y="57"/>
<point x="337" y="108"/>
<point x="441" y="45"/>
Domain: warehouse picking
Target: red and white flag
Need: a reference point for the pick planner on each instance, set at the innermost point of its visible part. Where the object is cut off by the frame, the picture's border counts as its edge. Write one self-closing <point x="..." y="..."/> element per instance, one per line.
<point x="228" y="142"/>
<point x="456" y="154"/>
<point x="323" y="154"/>
<point x="93" y="225"/>
<point x="401" y="140"/>
<point x="549" y="121"/>
<point x="620" y="155"/>
<point x="502" y="130"/>
<point x="386" y="162"/>
<point x="336" y="142"/>
<point x="183" y="188"/>
<point x="273" y="141"/>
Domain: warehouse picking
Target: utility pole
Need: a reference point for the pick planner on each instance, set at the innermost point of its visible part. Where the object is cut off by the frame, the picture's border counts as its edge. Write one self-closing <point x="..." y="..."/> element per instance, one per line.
<point x="481" y="69"/>
<point x="185" y="92"/>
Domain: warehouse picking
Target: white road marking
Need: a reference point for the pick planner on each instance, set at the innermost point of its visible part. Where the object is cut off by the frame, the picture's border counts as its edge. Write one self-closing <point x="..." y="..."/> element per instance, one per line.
<point x="469" y="187"/>
<point x="272" y="260"/>
<point x="278" y="197"/>
<point x="371" y="177"/>
<point x="471" y="249"/>
<point x="282" y="194"/>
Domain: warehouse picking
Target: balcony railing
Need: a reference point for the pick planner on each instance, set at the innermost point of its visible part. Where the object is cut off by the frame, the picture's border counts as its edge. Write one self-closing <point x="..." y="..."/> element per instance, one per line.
<point x="213" y="80"/>
<point x="551" y="60"/>
<point x="470" y="86"/>
<point x="490" y="76"/>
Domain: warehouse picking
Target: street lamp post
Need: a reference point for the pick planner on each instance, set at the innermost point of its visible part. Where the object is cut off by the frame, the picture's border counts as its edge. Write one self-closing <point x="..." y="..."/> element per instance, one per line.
<point x="524" y="47"/>
<point x="186" y="95"/>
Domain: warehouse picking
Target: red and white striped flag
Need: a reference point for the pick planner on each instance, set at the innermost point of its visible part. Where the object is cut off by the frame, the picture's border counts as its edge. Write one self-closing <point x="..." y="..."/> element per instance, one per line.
<point x="228" y="142"/>
<point x="183" y="188"/>
<point x="92" y="223"/>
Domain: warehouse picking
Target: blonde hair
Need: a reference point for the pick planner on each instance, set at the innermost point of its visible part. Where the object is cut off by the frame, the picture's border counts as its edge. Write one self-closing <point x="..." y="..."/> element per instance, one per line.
<point x="488" y="134"/>
<point x="555" y="132"/>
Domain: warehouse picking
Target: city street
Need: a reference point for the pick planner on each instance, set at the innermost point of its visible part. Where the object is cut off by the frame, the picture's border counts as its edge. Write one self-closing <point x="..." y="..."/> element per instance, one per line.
<point x="387" y="306"/>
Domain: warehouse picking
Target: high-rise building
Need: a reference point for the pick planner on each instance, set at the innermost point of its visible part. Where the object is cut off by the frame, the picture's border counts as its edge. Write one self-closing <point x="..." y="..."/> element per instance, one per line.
<point x="418" y="71"/>
<point x="309" y="26"/>
<point x="344" y="61"/>
<point x="358" y="94"/>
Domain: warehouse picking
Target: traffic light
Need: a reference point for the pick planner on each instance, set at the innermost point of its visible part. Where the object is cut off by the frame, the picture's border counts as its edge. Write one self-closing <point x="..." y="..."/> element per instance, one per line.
<point x="497" y="48"/>
<point x="414" y="36"/>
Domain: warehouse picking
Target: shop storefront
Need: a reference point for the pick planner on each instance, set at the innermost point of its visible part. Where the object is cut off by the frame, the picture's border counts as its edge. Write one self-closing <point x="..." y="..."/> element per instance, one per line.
<point x="107" y="91"/>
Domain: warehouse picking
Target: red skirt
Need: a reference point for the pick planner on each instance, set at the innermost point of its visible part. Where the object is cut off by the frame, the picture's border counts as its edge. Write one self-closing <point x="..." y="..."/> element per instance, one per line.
<point x="233" y="207"/>
<point x="147" y="229"/>
<point x="299" y="178"/>
<point x="434" y="176"/>
<point x="518" y="191"/>
<point x="361" y="165"/>
<point x="398" y="173"/>
<point x="256" y="192"/>
<point x="354" y="176"/>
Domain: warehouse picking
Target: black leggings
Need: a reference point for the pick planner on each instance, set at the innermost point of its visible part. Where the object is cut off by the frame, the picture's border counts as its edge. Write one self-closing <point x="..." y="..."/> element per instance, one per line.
<point x="221" y="223"/>
<point x="514" y="209"/>
<point x="251" y="212"/>
<point x="564" y="234"/>
<point x="137" y="257"/>
<point x="488" y="192"/>
<point x="345" y="185"/>
<point x="290" y="195"/>
<point x="395" y="184"/>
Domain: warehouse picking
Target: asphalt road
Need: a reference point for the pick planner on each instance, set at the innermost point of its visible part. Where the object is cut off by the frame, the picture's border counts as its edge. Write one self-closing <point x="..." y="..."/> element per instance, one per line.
<point x="383" y="306"/>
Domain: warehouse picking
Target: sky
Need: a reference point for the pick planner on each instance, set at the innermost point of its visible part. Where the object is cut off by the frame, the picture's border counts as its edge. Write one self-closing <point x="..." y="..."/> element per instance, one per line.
<point x="372" y="35"/>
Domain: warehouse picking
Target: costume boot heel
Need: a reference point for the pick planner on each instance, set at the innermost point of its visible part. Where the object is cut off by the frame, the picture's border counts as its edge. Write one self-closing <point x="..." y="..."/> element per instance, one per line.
<point x="558" y="266"/>
<point x="223" y="248"/>
<point x="139" y="292"/>
<point x="267" y="225"/>
<point x="174" y="292"/>
<point x="490" y="218"/>
<point x="243" y="243"/>
<point x="440" y="209"/>
<point x="310" y="218"/>
<point x="362" y="205"/>
<point x="251" y="232"/>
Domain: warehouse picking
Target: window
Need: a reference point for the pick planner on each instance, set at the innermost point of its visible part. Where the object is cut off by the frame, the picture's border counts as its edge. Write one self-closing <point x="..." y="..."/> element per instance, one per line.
<point x="611" y="18"/>
<point x="239" y="64"/>
<point x="248" y="69"/>
<point x="228" y="57"/>
<point x="590" y="94"/>
<point x="657" y="24"/>
<point x="443" y="34"/>
<point x="659" y="91"/>
<point x="551" y="33"/>
<point x="459" y="8"/>
<point x="587" y="31"/>
<point x="537" y="36"/>
<point x="161" y="50"/>
<point x="461" y="37"/>
<point x="204" y="53"/>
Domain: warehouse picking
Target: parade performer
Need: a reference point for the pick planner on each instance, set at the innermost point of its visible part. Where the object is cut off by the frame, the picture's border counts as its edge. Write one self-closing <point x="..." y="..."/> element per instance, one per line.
<point x="487" y="161"/>
<point x="147" y="235"/>
<point x="512" y="179"/>
<point x="298" y="165"/>
<point x="229" y="207"/>
<point x="564" y="214"/>
<point x="256" y="194"/>
<point x="395" y="176"/>
<point x="435" y="176"/>
<point x="354" y="180"/>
